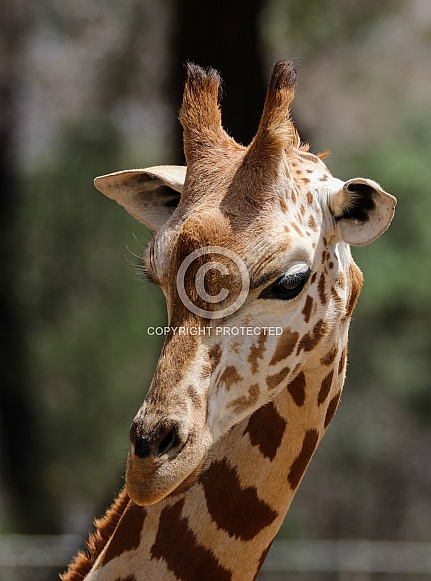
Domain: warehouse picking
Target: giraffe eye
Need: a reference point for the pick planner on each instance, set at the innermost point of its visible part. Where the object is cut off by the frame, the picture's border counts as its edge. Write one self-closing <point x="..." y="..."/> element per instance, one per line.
<point x="287" y="286"/>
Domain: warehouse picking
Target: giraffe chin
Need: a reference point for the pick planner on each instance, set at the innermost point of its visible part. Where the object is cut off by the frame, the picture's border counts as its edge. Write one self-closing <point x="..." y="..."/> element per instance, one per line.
<point x="148" y="482"/>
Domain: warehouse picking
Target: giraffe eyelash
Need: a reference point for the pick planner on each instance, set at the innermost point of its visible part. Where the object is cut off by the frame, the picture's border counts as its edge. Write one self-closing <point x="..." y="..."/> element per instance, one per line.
<point x="140" y="270"/>
<point x="143" y="273"/>
<point x="137" y="262"/>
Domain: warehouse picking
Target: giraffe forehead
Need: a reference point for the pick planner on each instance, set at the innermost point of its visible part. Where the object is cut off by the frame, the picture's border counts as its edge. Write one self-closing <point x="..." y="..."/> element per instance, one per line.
<point x="241" y="190"/>
<point x="239" y="216"/>
<point x="264" y="246"/>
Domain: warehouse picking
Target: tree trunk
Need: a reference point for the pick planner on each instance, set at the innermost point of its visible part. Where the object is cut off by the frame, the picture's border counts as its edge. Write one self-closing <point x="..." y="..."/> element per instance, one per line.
<point x="222" y="35"/>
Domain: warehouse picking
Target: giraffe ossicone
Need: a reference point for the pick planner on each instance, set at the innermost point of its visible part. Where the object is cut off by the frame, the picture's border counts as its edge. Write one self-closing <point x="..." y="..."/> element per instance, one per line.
<point x="231" y="421"/>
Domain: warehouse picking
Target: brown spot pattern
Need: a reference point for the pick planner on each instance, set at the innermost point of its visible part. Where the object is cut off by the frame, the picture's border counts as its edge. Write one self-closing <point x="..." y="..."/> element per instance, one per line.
<point x="215" y="354"/>
<point x="308" y="307"/>
<point x="206" y="370"/>
<point x="296" y="389"/>
<point x="356" y="280"/>
<point x="256" y="352"/>
<point x="272" y="381"/>
<point x="337" y="299"/>
<point x="342" y="362"/>
<point x="321" y="289"/>
<point x="301" y="462"/>
<point x="312" y="224"/>
<point x="128" y="533"/>
<point x="333" y="404"/>
<point x="325" y="388"/>
<point x="340" y="280"/>
<point x="330" y="356"/>
<point x="188" y="560"/>
<point x="194" y="397"/>
<point x="265" y="429"/>
<point x="296" y="228"/>
<point x="308" y="157"/>
<point x="245" y="401"/>
<point x="230" y="376"/>
<point x="309" y="197"/>
<point x="128" y="578"/>
<point x="285" y="345"/>
<point x="236" y="509"/>
<point x="311" y="339"/>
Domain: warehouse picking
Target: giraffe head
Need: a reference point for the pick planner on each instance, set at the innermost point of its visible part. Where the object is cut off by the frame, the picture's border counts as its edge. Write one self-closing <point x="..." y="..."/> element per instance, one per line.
<point x="252" y="252"/>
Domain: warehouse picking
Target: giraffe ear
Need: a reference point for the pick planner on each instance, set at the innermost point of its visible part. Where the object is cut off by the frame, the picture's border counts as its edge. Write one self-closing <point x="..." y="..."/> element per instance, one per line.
<point x="150" y="195"/>
<point x="362" y="211"/>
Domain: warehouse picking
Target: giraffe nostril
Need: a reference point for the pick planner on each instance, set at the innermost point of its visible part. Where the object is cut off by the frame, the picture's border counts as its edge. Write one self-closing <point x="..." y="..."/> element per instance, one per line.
<point x="142" y="447"/>
<point x="168" y="441"/>
<point x="160" y="442"/>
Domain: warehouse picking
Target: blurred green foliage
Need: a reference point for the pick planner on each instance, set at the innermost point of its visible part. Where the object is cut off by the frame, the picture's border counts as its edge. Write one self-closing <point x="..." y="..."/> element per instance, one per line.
<point x="87" y="312"/>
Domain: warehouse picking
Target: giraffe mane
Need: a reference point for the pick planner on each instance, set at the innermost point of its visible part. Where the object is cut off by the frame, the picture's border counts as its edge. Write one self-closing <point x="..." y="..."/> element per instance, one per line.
<point x="323" y="154"/>
<point x="105" y="527"/>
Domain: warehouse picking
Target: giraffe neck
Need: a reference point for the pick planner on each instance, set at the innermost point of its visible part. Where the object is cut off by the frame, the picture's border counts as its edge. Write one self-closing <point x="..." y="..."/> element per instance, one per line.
<point x="222" y="526"/>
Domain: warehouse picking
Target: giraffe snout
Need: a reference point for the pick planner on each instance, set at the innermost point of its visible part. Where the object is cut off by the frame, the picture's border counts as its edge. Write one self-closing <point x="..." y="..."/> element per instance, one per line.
<point x="165" y="454"/>
<point x="163" y="439"/>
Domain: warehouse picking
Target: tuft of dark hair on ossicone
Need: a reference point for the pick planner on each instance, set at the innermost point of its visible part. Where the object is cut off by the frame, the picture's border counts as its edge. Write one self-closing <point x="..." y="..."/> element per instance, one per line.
<point x="283" y="76"/>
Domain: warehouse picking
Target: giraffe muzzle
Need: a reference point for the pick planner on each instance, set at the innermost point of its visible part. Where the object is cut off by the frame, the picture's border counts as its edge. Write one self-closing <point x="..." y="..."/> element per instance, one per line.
<point x="165" y="455"/>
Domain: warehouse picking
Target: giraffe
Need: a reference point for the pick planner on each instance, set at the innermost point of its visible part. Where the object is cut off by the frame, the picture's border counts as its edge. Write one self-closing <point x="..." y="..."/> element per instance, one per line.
<point x="232" y="419"/>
